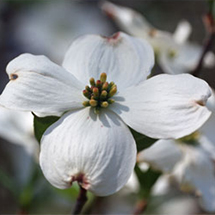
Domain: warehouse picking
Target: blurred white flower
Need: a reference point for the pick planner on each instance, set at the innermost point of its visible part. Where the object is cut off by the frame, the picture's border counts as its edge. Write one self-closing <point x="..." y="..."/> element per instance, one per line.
<point x="189" y="160"/>
<point x="175" y="54"/>
<point x="86" y="143"/>
<point x="162" y="185"/>
<point x="17" y="128"/>
<point x="182" y="205"/>
<point x="132" y="186"/>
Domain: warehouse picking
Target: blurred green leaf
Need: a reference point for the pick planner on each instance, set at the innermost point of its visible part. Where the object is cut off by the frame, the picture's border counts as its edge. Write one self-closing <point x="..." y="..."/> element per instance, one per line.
<point x="211" y="5"/>
<point x="36" y="193"/>
<point x="147" y="180"/>
<point x="26" y="198"/>
<point x="41" y="124"/>
<point x="28" y="192"/>
<point x="142" y="141"/>
<point x="70" y="194"/>
<point x="7" y="181"/>
<point x="91" y="203"/>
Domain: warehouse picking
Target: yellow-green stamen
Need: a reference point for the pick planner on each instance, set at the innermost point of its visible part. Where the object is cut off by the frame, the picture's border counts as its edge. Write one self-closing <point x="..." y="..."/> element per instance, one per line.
<point x="99" y="93"/>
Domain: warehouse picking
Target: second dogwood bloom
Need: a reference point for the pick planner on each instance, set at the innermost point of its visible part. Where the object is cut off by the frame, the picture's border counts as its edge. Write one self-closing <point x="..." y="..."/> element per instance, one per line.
<point x="175" y="54"/>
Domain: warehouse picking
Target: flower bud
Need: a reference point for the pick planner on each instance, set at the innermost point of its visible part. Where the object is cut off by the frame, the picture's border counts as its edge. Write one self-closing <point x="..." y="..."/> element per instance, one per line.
<point x="103" y="95"/>
<point x="92" y="82"/>
<point x="112" y="91"/>
<point x="111" y="101"/>
<point x="87" y="94"/>
<point x="86" y="103"/>
<point x="93" y="103"/>
<point x="98" y="84"/>
<point x="103" y="77"/>
<point x="95" y="93"/>
<point x="104" y="104"/>
<point x="105" y="86"/>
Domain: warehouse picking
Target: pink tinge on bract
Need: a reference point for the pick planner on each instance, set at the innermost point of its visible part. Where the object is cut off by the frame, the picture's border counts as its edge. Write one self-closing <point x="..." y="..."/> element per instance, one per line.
<point x="81" y="179"/>
<point x="108" y="8"/>
<point x="113" y="39"/>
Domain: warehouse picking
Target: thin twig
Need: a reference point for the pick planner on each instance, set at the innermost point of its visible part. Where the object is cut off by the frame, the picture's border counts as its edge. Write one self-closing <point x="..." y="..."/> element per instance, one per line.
<point x="210" y="26"/>
<point x="207" y="47"/>
<point x="140" y="207"/>
<point x="82" y="199"/>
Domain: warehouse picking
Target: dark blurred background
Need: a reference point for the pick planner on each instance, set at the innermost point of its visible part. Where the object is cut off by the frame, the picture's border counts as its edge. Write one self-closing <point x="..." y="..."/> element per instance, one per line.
<point x="48" y="27"/>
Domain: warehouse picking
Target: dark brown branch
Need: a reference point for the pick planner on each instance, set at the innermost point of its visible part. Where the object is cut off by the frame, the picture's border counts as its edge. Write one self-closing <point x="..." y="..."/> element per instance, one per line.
<point x="207" y="47"/>
<point x="210" y="26"/>
<point x="82" y="199"/>
<point x="22" y="212"/>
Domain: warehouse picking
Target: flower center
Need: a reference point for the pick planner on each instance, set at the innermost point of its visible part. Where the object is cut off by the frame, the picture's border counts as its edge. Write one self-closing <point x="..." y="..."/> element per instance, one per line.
<point x="172" y="53"/>
<point x="99" y="93"/>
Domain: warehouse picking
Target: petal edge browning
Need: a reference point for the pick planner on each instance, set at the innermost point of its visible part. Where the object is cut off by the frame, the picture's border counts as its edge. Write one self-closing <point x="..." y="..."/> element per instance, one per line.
<point x="39" y="85"/>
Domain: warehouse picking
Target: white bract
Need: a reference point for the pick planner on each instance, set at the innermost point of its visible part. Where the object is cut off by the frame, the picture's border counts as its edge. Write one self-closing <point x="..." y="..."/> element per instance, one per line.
<point x="175" y="53"/>
<point x="91" y="142"/>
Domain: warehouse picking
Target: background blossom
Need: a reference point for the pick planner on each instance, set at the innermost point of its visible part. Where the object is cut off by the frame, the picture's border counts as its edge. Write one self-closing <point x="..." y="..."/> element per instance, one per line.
<point x="16" y="21"/>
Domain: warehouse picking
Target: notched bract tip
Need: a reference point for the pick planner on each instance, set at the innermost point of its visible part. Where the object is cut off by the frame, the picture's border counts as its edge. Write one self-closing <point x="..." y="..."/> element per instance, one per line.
<point x="153" y="32"/>
<point x="201" y="102"/>
<point x="13" y="76"/>
<point x="114" y="39"/>
<point x="205" y="99"/>
<point x="81" y="179"/>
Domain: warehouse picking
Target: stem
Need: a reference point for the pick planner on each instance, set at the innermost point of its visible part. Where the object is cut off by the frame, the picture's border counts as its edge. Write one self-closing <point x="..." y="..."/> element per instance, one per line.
<point x="82" y="199"/>
<point x="140" y="207"/>
<point x="22" y="212"/>
<point x="210" y="26"/>
<point x="96" y="206"/>
<point x="207" y="47"/>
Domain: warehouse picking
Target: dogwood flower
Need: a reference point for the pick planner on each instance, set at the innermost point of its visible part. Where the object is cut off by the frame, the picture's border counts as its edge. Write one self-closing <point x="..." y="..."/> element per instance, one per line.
<point x="189" y="160"/>
<point x="91" y="142"/>
<point x="175" y="53"/>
